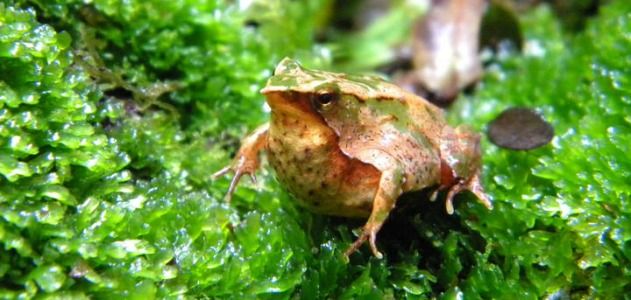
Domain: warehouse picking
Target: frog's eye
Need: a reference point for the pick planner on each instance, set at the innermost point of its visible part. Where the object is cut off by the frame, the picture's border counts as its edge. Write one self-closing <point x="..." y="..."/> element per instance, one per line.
<point x="324" y="100"/>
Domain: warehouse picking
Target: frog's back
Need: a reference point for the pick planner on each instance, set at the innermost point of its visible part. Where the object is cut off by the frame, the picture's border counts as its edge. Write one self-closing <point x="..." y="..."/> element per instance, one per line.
<point x="373" y="119"/>
<point x="427" y="117"/>
<point x="404" y="129"/>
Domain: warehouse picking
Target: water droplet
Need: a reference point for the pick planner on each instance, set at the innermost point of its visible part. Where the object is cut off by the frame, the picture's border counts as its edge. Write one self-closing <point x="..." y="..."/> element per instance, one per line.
<point x="129" y="248"/>
<point x="14" y="141"/>
<point x="134" y="203"/>
<point x="504" y="181"/>
<point x="16" y="49"/>
<point x="88" y="250"/>
<point x="55" y="137"/>
<point x="49" y="278"/>
<point x="534" y="48"/>
<point x="30" y="98"/>
<point x="91" y="163"/>
<point x="169" y="272"/>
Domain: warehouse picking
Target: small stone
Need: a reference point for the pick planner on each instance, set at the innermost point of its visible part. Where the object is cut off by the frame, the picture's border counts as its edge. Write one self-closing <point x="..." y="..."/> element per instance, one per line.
<point x="520" y="128"/>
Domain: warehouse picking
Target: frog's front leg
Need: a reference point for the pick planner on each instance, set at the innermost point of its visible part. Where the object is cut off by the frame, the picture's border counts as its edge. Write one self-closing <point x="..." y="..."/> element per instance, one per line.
<point x="247" y="159"/>
<point x="471" y="184"/>
<point x="387" y="193"/>
<point x="461" y="162"/>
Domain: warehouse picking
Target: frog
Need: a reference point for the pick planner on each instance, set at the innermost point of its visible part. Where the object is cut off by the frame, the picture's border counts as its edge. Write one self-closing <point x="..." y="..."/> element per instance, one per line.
<point x="349" y="145"/>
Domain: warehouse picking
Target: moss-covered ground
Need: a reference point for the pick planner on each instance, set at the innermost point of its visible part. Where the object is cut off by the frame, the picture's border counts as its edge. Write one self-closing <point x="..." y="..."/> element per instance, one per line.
<point x="114" y="114"/>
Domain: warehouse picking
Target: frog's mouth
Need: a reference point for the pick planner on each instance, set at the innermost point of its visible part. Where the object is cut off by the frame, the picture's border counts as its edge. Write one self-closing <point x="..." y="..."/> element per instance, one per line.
<point x="293" y="103"/>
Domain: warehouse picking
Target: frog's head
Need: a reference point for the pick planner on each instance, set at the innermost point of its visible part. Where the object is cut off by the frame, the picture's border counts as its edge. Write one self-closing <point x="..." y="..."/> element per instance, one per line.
<point x="294" y="88"/>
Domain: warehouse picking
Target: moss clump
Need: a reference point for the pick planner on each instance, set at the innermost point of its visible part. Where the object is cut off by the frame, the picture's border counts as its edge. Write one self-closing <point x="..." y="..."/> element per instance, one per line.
<point x="561" y="223"/>
<point x="102" y="195"/>
<point x="53" y="159"/>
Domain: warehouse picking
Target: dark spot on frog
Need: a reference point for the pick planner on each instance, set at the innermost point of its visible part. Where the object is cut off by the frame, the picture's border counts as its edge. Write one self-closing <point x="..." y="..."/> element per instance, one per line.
<point x="308" y="155"/>
<point x="285" y="122"/>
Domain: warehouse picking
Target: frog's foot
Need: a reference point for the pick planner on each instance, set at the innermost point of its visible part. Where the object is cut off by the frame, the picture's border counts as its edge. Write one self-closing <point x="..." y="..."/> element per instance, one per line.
<point x="246" y="161"/>
<point x="240" y="167"/>
<point x="473" y="185"/>
<point x="369" y="233"/>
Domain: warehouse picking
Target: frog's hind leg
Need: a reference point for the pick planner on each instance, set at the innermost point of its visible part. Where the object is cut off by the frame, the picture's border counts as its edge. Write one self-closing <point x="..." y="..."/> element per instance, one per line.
<point x="472" y="184"/>
<point x="387" y="193"/>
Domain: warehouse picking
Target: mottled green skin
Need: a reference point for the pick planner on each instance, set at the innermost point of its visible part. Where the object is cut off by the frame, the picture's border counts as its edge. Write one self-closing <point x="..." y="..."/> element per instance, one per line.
<point x="371" y="121"/>
<point x="291" y="76"/>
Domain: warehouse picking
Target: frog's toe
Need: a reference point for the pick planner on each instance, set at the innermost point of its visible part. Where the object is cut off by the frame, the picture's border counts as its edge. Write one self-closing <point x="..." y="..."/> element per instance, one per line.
<point x="473" y="185"/>
<point x="373" y="245"/>
<point x="476" y="188"/>
<point x="240" y="166"/>
<point x="434" y="195"/>
<point x="221" y="172"/>
<point x="439" y="189"/>
<point x="455" y="189"/>
<point x="233" y="185"/>
<point x="358" y="242"/>
<point x="253" y="177"/>
<point x="369" y="235"/>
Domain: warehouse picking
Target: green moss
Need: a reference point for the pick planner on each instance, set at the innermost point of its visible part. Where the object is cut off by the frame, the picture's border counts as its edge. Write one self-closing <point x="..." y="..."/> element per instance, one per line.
<point x="561" y="217"/>
<point x="104" y="197"/>
<point x="105" y="192"/>
<point x="51" y="152"/>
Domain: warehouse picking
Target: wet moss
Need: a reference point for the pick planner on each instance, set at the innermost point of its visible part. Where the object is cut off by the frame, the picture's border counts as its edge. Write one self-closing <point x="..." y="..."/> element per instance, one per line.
<point x="104" y="196"/>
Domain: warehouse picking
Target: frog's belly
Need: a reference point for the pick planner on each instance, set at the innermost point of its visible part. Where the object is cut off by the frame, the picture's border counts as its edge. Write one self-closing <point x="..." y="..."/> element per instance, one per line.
<point x="322" y="178"/>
